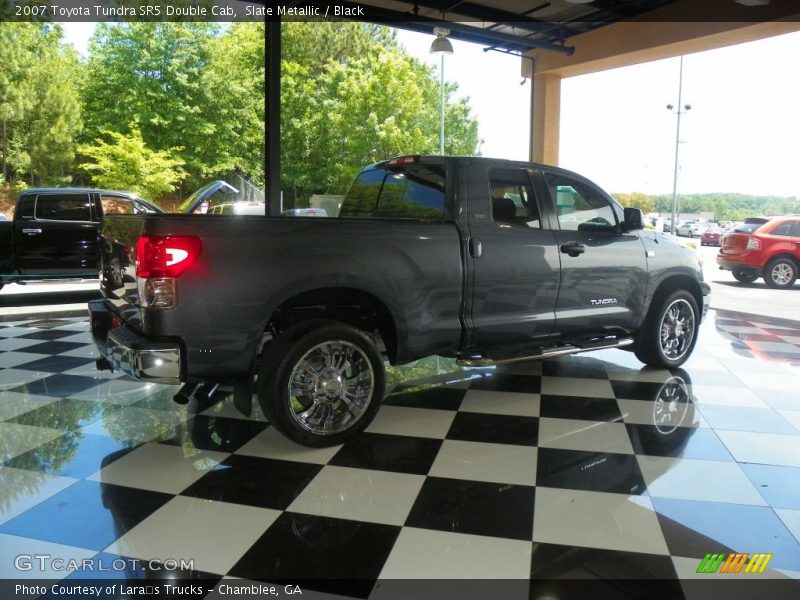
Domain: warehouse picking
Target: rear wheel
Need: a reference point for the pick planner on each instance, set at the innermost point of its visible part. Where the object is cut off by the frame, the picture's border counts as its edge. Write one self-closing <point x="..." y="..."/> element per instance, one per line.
<point x="780" y="273"/>
<point x="744" y="276"/>
<point x="321" y="386"/>
<point x="670" y="330"/>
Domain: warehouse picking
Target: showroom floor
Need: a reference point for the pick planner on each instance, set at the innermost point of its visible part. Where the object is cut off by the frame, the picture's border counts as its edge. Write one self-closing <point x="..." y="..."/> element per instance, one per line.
<point x="582" y="467"/>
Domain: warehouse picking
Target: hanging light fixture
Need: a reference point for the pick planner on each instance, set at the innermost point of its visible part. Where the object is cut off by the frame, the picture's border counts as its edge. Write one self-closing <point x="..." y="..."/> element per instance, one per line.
<point x="441" y="45"/>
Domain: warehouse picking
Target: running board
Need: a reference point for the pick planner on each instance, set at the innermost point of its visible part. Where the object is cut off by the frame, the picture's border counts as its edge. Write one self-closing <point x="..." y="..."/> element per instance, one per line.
<point x="481" y="361"/>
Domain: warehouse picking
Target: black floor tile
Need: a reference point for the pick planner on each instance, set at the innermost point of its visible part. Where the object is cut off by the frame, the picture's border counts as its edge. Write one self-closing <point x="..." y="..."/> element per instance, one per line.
<point x="636" y="390"/>
<point x="327" y="554"/>
<point x="216" y="433"/>
<point x="689" y="524"/>
<point x="591" y="471"/>
<point x="575" y="367"/>
<point x="556" y="561"/>
<point x="439" y="397"/>
<point x="254" y="481"/>
<point x="681" y="442"/>
<point x="476" y="507"/>
<point x="498" y="429"/>
<point x="579" y="407"/>
<point x="58" y="385"/>
<point x="137" y="570"/>
<point x="55" y="364"/>
<point x="74" y="454"/>
<point x="780" y="486"/>
<point x="66" y="414"/>
<point x="506" y="382"/>
<point x="388" y="453"/>
<point x="47" y="334"/>
<point x="87" y="515"/>
<point x="51" y="347"/>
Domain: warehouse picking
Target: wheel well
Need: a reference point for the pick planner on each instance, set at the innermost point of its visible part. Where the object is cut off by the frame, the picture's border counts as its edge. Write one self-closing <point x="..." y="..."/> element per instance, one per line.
<point x="355" y="307"/>
<point x="679" y="282"/>
<point x="786" y="256"/>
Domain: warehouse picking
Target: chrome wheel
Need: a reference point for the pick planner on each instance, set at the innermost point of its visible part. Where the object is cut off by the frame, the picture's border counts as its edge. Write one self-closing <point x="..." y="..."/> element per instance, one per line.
<point x="330" y="387"/>
<point x="782" y="273"/>
<point x="671" y="405"/>
<point x="677" y="329"/>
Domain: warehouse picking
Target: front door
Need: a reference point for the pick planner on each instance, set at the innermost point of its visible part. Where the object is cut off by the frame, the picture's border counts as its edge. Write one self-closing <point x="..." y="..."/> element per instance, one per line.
<point x="513" y="260"/>
<point x="60" y="239"/>
<point x="603" y="270"/>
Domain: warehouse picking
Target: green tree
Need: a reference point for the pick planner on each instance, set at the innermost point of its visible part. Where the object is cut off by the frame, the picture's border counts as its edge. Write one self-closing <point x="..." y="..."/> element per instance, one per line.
<point x="357" y="100"/>
<point x="154" y="75"/>
<point x="637" y="200"/>
<point x="125" y="163"/>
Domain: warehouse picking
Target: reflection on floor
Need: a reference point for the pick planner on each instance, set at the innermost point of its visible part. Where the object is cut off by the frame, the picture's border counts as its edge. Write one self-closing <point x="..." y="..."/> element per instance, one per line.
<point x="582" y="467"/>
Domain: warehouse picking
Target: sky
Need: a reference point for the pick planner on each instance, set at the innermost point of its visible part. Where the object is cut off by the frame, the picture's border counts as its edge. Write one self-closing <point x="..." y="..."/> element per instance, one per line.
<point x="742" y="134"/>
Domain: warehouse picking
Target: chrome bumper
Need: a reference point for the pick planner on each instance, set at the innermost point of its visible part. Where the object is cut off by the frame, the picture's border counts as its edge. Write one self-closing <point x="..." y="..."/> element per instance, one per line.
<point x="157" y="362"/>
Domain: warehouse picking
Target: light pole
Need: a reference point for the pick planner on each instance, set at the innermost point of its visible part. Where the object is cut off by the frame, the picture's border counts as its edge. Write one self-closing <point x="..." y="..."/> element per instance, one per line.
<point x="441" y="46"/>
<point x="678" y="112"/>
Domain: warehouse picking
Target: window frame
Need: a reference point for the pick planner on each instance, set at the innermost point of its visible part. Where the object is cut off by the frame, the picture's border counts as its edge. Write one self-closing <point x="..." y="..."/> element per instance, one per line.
<point x="533" y="196"/>
<point x="616" y="209"/>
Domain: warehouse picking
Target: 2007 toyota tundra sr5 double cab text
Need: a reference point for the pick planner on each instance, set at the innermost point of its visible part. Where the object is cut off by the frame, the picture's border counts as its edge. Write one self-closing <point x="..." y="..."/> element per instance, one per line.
<point x="486" y="260"/>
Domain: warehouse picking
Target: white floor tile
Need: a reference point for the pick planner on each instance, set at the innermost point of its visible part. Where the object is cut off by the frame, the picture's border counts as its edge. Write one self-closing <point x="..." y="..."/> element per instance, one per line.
<point x="416" y="422"/>
<point x="643" y="412"/>
<point x="790" y="518"/>
<point x="272" y="444"/>
<point x="16" y="439"/>
<point x="21" y="490"/>
<point x="577" y="386"/>
<point x="13" y="404"/>
<point x="11" y="546"/>
<point x="499" y="463"/>
<point x="709" y="480"/>
<point x="592" y="436"/>
<point x="762" y="448"/>
<point x="160" y="468"/>
<point x="360" y="494"/>
<point x="501" y="403"/>
<point x="597" y="520"/>
<point x="213" y="534"/>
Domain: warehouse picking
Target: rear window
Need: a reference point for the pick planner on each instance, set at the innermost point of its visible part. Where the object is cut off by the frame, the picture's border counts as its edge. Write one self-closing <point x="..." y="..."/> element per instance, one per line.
<point x="411" y="192"/>
<point x="63" y="207"/>
<point x="747" y="227"/>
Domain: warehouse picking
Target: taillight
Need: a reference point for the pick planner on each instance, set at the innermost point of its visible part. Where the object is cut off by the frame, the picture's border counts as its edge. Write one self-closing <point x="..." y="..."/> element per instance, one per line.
<point x="159" y="256"/>
<point x="753" y="244"/>
<point x="159" y="260"/>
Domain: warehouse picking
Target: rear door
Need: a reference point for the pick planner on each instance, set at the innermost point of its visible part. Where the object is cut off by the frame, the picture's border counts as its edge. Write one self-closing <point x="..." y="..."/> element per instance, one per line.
<point x="59" y="238"/>
<point x="512" y="258"/>
<point x="603" y="271"/>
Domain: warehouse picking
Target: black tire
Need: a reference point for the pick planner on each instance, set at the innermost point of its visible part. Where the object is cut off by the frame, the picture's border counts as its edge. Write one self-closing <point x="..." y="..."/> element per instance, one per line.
<point x="651" y="349"/>
<point x="780" y="273"/>
<point x="280" y="368"/>
<point x="744" y="276"/>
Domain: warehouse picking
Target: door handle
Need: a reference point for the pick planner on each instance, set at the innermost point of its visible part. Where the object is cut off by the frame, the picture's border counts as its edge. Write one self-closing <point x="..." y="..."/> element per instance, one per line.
<point x="31" y="231"/>
<point x="573" y="248"/>
<point x="475" y="248"/>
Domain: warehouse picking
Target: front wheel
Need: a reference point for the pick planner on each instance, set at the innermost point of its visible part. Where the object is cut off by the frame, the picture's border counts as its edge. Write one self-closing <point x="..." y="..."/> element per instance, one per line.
<point x="780" y="273"/>
<point x="670" y="331"/>
<point x="321" y="386"/>
<point x="744" y="276"/>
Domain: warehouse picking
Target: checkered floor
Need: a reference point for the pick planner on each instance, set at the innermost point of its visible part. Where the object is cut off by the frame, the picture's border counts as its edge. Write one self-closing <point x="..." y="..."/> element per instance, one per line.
<point x="583" y="467"/>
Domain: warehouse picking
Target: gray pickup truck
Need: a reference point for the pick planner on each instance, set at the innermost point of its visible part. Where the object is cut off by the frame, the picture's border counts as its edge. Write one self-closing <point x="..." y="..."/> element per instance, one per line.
<point x="489" y="261"/>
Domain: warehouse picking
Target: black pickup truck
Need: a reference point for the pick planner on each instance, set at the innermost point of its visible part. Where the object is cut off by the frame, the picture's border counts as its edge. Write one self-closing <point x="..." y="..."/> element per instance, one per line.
<point x="486" y="260"/>
<point x="54" y="232"/>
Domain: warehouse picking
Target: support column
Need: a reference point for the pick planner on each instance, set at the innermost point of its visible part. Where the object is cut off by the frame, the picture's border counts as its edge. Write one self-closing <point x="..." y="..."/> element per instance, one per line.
<point x="273" y="120"/>
<point x="545" y="118"/>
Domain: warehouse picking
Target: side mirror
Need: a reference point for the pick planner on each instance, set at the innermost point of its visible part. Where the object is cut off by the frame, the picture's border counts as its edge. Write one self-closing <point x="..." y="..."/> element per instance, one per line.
<point x="632" y="220"/>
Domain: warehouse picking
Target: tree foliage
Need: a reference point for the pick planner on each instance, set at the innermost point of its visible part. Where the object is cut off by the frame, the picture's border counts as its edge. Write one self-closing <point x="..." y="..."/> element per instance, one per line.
<point x="725" y="206"/>
<point x="354" y="99"/>
<point x="124" y="163"/>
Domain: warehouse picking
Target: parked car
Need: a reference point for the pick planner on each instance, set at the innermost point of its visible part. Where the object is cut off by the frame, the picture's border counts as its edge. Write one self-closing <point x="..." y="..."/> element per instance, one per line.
<point x="305" y="212"/>
<point x="238" y="208"/>
<point x="691" y="229"/>
<point x="763" y="247"/>
<point x="488" y="261"/>
<point x="53" y="234"/>
<point x="712" y="236"/>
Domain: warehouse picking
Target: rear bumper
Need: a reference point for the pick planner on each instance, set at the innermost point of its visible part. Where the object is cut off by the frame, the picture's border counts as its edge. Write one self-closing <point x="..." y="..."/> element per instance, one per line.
<point x="132" y="353"/>
<point x="748" y="262"/>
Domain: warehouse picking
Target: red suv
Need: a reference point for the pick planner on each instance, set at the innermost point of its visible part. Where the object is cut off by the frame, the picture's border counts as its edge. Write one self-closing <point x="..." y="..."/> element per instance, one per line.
<point x="761" y="247"/>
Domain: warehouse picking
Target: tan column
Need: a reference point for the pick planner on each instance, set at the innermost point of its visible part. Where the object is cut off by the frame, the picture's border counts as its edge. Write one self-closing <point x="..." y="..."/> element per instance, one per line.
<point x="545" y="118"/>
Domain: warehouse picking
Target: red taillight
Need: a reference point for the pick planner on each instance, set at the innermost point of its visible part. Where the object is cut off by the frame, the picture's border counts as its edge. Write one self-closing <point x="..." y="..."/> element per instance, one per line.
<point x="159" y="256"/>
<point x="753" y="244"/>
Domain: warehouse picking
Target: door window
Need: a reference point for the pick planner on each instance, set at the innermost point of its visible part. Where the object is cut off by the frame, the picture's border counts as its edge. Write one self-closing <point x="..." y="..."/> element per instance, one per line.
<point x="116" y="205"/>
<point x="579" y="207"/>
<point x="513" y="202"/>
<point x="785" y="229"/>
<point x="63" y="207"/>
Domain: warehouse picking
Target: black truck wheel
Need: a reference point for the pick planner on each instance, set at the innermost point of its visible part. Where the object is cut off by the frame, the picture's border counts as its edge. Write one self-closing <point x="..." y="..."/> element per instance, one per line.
<point x="321" y="385"/>
<point x="744" y="276"/>
<point x="670" y="331"/>
<point x="780" y="273"/>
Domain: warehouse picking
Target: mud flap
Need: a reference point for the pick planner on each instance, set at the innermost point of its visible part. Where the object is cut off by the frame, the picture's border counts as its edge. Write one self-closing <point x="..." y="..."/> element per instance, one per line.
<point x="243" y="396"/>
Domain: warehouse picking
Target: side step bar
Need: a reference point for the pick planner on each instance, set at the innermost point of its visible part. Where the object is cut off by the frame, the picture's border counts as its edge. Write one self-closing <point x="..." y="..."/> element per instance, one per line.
<point x="482" y="361"/>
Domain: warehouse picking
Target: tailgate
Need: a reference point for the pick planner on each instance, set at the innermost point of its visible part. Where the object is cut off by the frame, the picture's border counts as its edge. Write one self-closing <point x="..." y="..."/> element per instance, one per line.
<point x="734" y="243"/>
<point x="118" y="265"/>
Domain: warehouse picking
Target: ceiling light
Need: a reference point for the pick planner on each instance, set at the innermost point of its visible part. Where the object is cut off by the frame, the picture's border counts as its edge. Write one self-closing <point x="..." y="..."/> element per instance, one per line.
<point x="441" y="45"/>
<point x="752" y="2"/>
